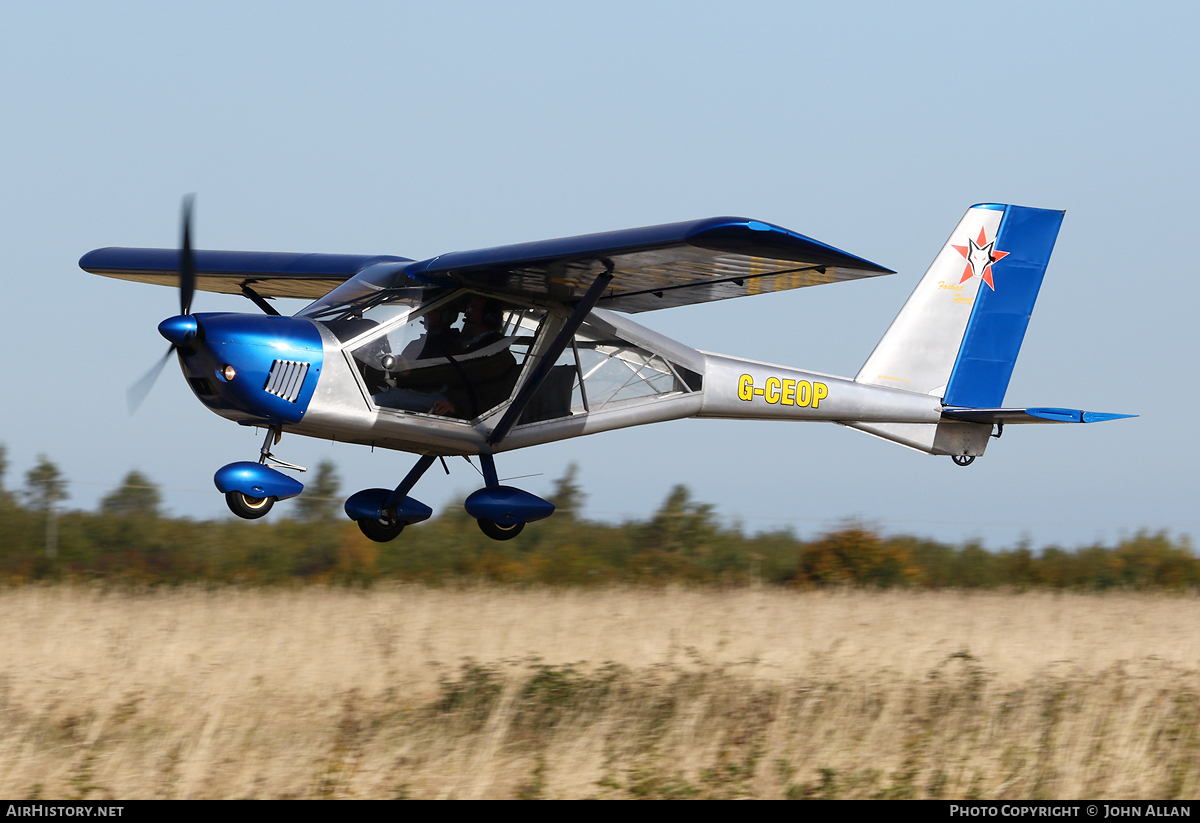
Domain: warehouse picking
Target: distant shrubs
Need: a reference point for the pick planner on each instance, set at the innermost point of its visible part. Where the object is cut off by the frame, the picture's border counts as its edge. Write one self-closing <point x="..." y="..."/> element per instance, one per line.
<point x="130" y="540"/>
<point x="857" y="556"/>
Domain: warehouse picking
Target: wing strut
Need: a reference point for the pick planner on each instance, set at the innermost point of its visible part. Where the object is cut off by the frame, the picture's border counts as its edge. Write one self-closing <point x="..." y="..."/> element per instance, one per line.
<point x="257" y="299"/>
<point x="551" y="355"/>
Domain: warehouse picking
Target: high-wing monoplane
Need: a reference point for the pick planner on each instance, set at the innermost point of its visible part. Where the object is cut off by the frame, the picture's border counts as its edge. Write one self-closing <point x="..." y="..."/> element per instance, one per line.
<point x="475" y="353"/>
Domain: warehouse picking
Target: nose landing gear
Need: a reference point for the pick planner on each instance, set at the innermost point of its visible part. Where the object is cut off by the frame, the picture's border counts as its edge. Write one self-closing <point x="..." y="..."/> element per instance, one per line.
<point x="251" y="489"/>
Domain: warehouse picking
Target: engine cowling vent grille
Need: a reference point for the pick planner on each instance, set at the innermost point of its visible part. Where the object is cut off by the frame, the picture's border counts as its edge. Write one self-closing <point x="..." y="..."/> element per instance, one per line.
<point x="286" y="379"/>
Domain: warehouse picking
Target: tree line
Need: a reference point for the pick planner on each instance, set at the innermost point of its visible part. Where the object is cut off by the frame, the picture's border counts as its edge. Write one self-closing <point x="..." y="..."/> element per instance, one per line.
<point x="129" y="539"/>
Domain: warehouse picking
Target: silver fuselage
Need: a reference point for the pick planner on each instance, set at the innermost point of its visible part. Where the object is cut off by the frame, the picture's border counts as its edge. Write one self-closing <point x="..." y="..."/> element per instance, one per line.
<point x="341" y="408"/>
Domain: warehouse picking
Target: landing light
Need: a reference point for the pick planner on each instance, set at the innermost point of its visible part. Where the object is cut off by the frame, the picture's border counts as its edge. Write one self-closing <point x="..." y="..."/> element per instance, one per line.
<point x="228" y="372"/>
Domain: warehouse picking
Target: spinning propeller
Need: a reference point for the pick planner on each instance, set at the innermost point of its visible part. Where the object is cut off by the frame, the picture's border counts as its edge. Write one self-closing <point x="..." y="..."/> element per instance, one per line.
<point x="181" y="328"/>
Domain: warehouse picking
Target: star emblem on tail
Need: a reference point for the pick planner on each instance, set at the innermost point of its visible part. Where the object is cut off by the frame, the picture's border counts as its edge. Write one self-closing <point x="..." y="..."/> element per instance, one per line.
<point x="980" y="255"/>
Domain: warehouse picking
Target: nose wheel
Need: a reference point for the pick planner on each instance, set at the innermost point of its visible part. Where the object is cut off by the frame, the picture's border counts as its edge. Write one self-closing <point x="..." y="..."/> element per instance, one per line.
<point x="251" y="489"/>
<point x="248" y="508"/>
<point x="498" y="532"/>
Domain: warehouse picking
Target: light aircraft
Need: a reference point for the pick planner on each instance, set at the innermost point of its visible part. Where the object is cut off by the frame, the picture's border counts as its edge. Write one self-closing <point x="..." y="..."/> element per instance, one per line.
<point x="474" y="353"/>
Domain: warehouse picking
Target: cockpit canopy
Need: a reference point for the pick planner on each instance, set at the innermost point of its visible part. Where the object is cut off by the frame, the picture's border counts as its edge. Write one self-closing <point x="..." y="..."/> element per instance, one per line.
<point x="383" y="285"/>
<point x="459" y="354"/>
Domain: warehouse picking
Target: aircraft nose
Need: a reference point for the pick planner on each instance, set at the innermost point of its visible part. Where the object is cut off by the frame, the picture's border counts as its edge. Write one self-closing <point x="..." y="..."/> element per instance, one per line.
<point x="260" y="365"/>
<point x="179" y="330"/>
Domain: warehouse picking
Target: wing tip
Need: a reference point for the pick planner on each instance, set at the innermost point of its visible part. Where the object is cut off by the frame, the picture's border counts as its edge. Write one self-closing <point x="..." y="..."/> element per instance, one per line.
<point x="743" y="235"/>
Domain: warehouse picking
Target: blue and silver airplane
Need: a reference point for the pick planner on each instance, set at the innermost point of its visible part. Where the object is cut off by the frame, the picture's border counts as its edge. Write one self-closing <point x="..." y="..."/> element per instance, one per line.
<point x="478" y="352"/>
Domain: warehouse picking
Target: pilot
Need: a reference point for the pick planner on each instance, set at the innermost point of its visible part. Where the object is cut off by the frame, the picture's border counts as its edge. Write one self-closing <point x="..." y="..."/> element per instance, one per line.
<point x="440" y="337"/>
<point x="439" y="340"/>
<point x="463" y="383"/>
<point x="416" y="383"/>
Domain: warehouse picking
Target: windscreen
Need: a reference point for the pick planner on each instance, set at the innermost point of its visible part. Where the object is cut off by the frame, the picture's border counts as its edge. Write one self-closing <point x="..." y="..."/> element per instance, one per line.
<point x="374" y="285"/>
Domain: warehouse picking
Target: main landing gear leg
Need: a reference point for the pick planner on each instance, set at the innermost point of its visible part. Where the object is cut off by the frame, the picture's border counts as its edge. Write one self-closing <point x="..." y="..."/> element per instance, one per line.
<point x="503" y="511"/>
<point x="381" y="514"/>
<point x="493" y="529"/>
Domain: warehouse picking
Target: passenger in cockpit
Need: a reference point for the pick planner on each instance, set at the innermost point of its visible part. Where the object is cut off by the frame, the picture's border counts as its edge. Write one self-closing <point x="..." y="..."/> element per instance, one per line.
<point x="487" y="369"/>
<point x="450" y="372"/>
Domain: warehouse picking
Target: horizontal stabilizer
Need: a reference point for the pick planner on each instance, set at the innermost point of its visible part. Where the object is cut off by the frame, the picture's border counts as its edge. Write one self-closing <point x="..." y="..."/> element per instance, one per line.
<point x="1033" y="415"/>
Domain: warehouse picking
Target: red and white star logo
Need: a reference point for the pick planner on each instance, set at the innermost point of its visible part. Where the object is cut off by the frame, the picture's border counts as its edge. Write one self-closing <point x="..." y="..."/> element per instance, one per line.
<point x="980" y="256"/>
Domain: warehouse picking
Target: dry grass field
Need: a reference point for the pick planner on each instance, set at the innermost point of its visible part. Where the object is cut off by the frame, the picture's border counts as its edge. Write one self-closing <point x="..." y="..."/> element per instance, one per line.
<point x="490" y="692"/>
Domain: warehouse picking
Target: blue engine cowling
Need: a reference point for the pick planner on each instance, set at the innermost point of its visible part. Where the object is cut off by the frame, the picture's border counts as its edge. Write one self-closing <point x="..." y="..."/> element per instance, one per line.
<point x="256" y="480"/>
<point x="248" y="366"/>
<point x="507" y="506"/>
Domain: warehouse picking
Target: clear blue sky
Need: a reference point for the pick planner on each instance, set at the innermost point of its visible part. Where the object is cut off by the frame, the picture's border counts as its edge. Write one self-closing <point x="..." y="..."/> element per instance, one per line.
<point x="422" y="128"/>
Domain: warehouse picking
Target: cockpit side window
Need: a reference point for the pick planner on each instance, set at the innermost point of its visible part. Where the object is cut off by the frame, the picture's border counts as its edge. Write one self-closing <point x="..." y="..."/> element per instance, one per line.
<point x="600" y="371"/>
<point x="615" y="370"/>
<point x="458" y="357"/>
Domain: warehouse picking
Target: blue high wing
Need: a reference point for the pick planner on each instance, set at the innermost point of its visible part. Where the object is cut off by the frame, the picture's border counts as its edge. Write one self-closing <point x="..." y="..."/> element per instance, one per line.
<point x="270" y="274"/>
<point x="655" y="267"/>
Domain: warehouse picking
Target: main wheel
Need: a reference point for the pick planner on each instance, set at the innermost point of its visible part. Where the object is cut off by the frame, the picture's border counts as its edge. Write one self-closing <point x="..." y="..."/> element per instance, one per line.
<point x="497" y="532"/>
<point x="248" y="508"/>
<point x="963" y="459"/>
<point x="381" y="531"/>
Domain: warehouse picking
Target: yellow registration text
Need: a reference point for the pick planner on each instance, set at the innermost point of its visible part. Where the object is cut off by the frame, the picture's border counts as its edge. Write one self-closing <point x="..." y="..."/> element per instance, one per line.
<point x="784" y="392"/>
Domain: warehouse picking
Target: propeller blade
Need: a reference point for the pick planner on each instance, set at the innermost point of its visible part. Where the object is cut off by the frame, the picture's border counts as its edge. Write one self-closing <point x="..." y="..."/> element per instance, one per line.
<point x="187" y="260"/>
<point x="136" y="393"/>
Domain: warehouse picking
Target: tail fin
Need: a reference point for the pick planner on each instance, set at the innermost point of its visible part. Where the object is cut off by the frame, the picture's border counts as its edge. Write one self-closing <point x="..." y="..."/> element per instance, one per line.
<point x="959" y="333"/>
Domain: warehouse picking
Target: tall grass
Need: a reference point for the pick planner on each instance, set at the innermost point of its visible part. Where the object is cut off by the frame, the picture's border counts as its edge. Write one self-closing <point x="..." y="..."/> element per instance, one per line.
<point x="491" y="692"/>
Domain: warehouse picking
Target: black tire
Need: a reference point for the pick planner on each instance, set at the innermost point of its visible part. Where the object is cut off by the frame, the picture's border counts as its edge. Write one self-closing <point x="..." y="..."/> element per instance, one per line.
<point x="248" y="508"/>
<point x="497" y="532"/>
<point x="381" y="531"/>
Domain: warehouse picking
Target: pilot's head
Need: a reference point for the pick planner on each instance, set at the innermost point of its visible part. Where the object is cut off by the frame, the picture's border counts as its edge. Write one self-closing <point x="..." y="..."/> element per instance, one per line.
<point x="483" y="314"/>
<point x="440" y="318"/>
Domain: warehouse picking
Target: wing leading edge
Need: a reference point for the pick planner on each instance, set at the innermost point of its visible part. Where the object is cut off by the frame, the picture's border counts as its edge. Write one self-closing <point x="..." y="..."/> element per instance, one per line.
<point x="655" y="267"/>
<point x="270" y="274"/>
